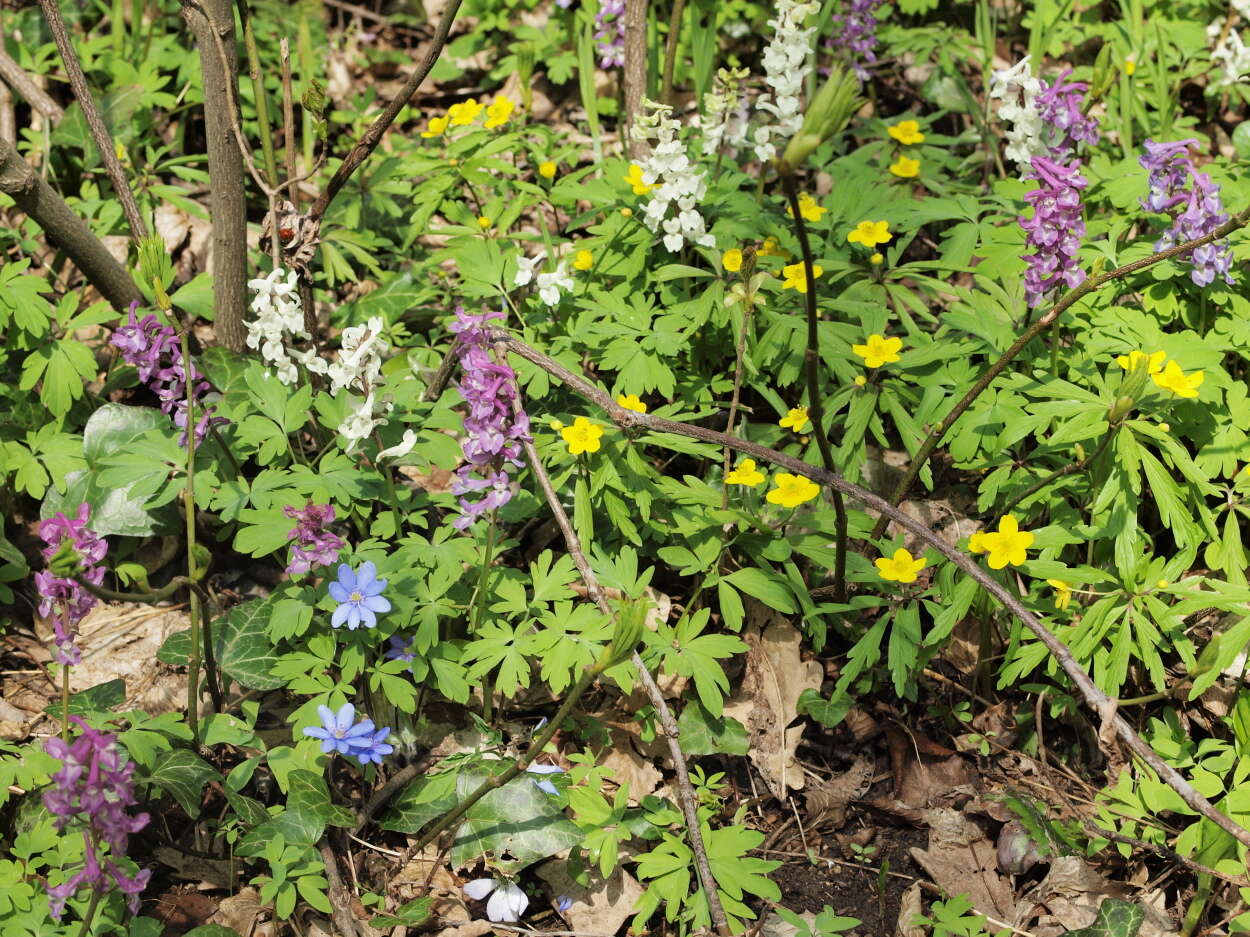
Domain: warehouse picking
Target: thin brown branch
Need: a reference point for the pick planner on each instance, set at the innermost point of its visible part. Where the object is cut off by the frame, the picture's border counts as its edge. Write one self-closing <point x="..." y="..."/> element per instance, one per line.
<point x="66" y="229"/>
<point x="1037" y="328"/>
<point x="369" y="141"/>
<point x="99" y="132"/>
<point x="670" y="51"/>
<point x="685" y="790"/>
<point x="634" y="72"/>
<point x="8" y="119"/>
<point x="17" y="79"/>
<point x="1094" y="697"/>
<point x="340" y="898"/>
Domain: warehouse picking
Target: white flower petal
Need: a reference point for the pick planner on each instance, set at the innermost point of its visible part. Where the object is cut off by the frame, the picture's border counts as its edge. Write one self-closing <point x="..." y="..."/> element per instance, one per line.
<point x="479" y="888"/>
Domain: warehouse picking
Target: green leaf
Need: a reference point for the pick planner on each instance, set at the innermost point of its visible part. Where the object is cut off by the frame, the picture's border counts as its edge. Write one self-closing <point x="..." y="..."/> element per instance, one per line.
<point x="412" y="914"/>
<point x="101" y="698"/>
<point x="243" y="648"/>
<point x="211" y="930"/>
<point x="1116" y="918"/>
<point x="421" y="801"/>
<point x="518" y="819"/>
<point x="183" y="774"/>
<point x="176" y="651"/>
<point x="769" y="588"/>
<point x="704" y="734"/>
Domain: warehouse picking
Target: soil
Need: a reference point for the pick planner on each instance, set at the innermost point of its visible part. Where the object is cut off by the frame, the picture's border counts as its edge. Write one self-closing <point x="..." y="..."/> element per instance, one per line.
<point x="852" y="889"/>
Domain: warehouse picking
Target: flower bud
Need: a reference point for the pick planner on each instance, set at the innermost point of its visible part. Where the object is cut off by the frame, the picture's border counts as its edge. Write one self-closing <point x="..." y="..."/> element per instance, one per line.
<point x="1105" y="73"/>
<point x="1122" y="407"/>
<point x="827" y="114"/>
<point x="631" y="618"/>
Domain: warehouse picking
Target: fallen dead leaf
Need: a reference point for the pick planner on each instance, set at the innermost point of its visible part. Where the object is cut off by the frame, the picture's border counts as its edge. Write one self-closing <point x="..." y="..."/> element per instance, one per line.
<point x="629" y="767"/>
<point x="216" y="872"/>
<point x="241" y="913"/>
<point x="909" y="906"/>
<point x="601" y="909"/>
<point x="827" y="800"/>
<point x="961" y="860"/>
<point x="766" y="701"/>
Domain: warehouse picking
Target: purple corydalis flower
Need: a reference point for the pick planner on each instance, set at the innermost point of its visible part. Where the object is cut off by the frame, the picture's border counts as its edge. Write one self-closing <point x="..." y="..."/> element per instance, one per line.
<point x="1060" y="104"/>
<point x="494" y="430"/>
<point x="341" y="734"/>
<point x="63" y="601"/>
<point x="313" y="545"/>
<point x="1171" y="173"/>
<point x="858" y="37"/>
<point x="610" y="33"/>
<point x="155" y="351"/>
<point x="1054" y="232"/>
<point x="359" y="595"/>
<point x="94" y="787"/>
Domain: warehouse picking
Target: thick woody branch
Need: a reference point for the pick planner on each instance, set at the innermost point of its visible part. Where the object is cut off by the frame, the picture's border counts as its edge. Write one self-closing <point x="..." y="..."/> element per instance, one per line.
<point x="212" y="22"/>
<point x="99" y="132"/>
<point x="66" y="229"/>
<point x="1094" y="697"/>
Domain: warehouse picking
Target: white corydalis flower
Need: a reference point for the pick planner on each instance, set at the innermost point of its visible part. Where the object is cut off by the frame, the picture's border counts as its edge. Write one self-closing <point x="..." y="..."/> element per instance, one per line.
<point x="360" y="357"/>
<point x="525" y="268"/>
<point x="279" y="320"/>
<point x="677" y="184"/>
<point x="550" y="284"/>
<point x="1017" y="90"/>
<point x="1230" y="54"/>
<point x="786" y="66"/>
<point x="507" y="902"/>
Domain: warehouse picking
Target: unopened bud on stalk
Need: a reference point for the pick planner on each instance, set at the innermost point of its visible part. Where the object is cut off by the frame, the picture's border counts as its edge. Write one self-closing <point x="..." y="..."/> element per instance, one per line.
<point x="1105" y="73"/>
<point x="827" y="114"/>
<point x="630" y="621"/>
<point x="1122" y="407"/>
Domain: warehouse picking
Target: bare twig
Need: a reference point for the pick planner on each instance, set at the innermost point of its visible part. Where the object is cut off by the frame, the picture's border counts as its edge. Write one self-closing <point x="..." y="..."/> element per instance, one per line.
<point x="389" y="790"/>
<point x="99" y="133"/>
<point x="65" y="229"/>
<point x="340" y="898"/>
<point x="1094" y="697"/>
<point x="685" y="791"/>
<point x="25" y="86"/>
<point x="369" y="141"/>
<point x="1037" y="328"/>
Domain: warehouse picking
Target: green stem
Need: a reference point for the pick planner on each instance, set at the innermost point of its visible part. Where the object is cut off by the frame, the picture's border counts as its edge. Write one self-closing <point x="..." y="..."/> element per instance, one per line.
<point x="1042" y="324"/>
<point x="478" y="602"/>
<point x="193" y="660"/>
<point x="1070" y="469"/>
<point x="147" y="598"/>
<point x="499" y="780"/>
<point x="258" y="93"/>
<point x="392" y="494"/>
<point x="87" y="918"/>
<point x="815" y="403"/>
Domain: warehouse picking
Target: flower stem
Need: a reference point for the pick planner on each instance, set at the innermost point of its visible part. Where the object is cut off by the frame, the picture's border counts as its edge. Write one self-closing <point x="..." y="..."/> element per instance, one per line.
<point x="87" y="918"/>
<point x="65" y="702"/>
<point x="193" y="660"/>
<point x="477" y="603"/>
<point x="811" y="357"/>
<point x="390" y="485"/>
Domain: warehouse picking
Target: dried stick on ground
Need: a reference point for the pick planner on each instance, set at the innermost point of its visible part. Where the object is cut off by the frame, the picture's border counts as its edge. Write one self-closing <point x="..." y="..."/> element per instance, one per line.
<point x="369" y="141"/>
<point x="685" y="791"/>
<point x="340" y="897"/>
<point x="65" y="229"/>
<point x="212" y="22"/>
<point x="25" y="86"/>
<point x="1095" y="698"/>
<point x="99" y="133"/>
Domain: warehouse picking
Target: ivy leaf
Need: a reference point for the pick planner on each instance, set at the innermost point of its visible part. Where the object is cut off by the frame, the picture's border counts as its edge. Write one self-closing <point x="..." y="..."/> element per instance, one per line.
<point x="183" y="774"/>
<point x="1116" y="918"/>
<point x="243" y="648"/>
<point x="518" y="819"/>
<point x="704" y="734"/>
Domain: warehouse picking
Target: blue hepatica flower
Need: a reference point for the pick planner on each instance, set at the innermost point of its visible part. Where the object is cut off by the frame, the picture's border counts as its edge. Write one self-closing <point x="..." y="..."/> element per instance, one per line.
<point x="401" y="649"/>
<point x="362" y="740"/>
<point x="359" y="595"/>
<point x="544" y="785"/>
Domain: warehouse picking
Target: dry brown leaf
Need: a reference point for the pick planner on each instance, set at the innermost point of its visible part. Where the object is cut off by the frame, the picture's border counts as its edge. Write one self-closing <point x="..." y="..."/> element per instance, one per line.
<point x="909" y="906"/>
<point x="216" y="872"/>
<point x="767" y="699"/>
<point x="827" y="800"/>
<point x="601" y="909"/>
<point x="629" y="767"/>
<point x="961" y="860"/>
<point x="240" y="913"/>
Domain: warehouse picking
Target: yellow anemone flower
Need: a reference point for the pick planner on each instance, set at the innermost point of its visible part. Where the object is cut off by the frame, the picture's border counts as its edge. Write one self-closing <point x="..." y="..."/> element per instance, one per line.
<point x="634" y="178"/>
<point x="465" y="112"/>
<point x="631" y="402"/>
<point x="907" y="132"/>
<point x="731" y="260"/>
<point x="547" y="169"/>
<point x="901" y="567"/>
<point x="807" y="208"/>
<point x="870" y="233"/>
<point x="582" y="436"/>
<point x="499" y="111"/>
<point x="878" y="350"/>
<point x="1154" y="361"/>
<point x="796" y="278"/>
<point x="905" y="167"/>
<point x="1063" y="593"/>
<point x="796" y="419"/>
<point x="745" y="473"/>
<point x="583" y="260"/>
<point x="1007" y="544"/>
<point x="435" y="128"/>
<point x="1177" y="381"/>
<point x="792" y="490"/>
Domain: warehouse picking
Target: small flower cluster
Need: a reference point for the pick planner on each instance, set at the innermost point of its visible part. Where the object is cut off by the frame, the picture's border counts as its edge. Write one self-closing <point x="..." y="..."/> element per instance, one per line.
<point x="341" y="734"/>
<point x="725" y="114"/>
<point x="790" y="490"/>
<point x="313" y="545"/>
<point x="280" y="318"/>
<point x="1046" y="119"/>
<point x="464" y="113"/>
<point x="1054" y="232"/>
<point x="1059" y="104"/>
<point x="494" y="432"/>
<point x="1171" y="173"/>
<point x="858" y="38"/>
<point x="64" y="602"/>
<point x="1230" y="53"/>
<point x="549" y="284"/>
<point x="786" y="68"/>
<point x="610" y="33"/>
<point x="672" y="179"/>
<point x="1170" y="377"/>
<point x="94" y="787"/>
<point x="359" y="366"/>
<point x="154" y="349"/>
